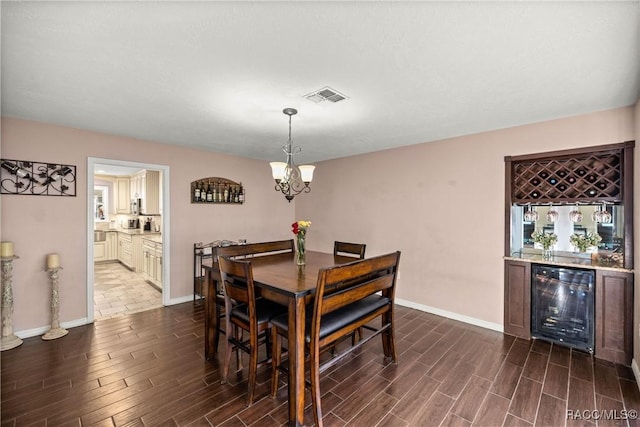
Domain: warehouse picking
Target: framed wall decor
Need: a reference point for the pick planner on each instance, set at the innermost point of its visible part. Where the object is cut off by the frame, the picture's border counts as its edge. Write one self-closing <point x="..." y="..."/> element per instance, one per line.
<point x="37" y="178"/>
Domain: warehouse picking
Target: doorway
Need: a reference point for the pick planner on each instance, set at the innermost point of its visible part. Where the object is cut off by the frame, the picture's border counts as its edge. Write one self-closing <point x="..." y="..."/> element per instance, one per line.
<point x="118" y="265"/>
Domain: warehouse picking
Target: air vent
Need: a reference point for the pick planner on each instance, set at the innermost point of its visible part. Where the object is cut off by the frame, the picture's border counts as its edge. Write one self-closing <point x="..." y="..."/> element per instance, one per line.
<point x="325" y="94"/>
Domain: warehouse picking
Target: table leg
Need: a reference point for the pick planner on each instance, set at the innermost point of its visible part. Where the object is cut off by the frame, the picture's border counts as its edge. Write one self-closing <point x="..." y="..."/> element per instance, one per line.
<point x="296" y="361"/>
<point x="211" y="330"/>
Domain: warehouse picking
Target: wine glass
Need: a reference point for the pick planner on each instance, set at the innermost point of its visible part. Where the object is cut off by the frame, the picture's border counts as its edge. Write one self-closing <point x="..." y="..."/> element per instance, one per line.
<point x="530" y="215"/>
<point x="552" y="214"/>
<point x="575" y="215"/>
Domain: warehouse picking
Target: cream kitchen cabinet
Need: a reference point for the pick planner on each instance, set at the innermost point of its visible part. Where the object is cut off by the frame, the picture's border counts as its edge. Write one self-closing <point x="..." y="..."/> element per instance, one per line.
<point x="125" y="250"/>
<point x="112" y="245"/>
<point x="146" y="185"/>
<point x="152" y="261"/>
<point x="123" y="196"/>
<point x="100" y="251"/>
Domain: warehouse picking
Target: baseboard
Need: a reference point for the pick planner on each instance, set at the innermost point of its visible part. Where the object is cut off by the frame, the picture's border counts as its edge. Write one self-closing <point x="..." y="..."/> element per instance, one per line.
<point x="84" y="321"/>
<point x="44" y="329"/>
<point x="636" y="372"/>
<point x="451" y="315"/>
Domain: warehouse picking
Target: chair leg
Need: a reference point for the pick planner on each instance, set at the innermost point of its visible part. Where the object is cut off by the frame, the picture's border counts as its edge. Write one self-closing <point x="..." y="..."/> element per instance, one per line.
<point x="275" y="360"/>
<point x="253" y="366"/>
<point x="239" y="333"/>
<point x="227" y="357"/>
<point x="314" y="374"/>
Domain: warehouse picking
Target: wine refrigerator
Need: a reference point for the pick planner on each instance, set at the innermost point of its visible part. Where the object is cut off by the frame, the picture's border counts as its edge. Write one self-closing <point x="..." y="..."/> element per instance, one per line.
<point x="562" y="306"/>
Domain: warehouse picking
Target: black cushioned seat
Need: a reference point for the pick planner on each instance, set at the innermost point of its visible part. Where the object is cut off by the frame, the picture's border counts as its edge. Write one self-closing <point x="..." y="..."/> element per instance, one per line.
<point x="265" y="309"/>
<point x="333" y="321"/>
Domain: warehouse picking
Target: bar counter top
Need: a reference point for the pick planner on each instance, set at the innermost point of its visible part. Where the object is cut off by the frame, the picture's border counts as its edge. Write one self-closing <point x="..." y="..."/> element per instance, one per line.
<point x="572" y="259"/>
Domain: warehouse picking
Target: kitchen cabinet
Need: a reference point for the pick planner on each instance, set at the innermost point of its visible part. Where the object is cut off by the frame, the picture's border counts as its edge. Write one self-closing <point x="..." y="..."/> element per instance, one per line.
<point x="112" y="245"/>
<point x="146" y="185"/>
<point x="123" y="195"/>
<point x="614" y="316"/>
<point x="100" y="251"/>
<point x="125" y="250"/>
<point x="152" y="261"/>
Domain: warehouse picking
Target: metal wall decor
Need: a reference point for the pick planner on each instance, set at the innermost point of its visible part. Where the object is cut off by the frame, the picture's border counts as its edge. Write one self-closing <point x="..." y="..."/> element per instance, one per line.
<point x="37" y="178"/>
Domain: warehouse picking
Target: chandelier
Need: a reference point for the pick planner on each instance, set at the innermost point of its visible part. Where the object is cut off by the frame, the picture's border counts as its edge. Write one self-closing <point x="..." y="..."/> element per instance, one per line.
<point x="291" y="179"/>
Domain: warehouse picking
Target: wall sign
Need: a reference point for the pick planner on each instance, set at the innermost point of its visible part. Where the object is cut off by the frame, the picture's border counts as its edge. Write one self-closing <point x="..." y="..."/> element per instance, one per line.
<point x="37" y="178"/>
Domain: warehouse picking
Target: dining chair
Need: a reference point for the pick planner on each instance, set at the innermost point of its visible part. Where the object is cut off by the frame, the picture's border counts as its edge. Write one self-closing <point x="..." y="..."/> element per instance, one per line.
<point x="369" y="293"/>
<point x="349" y="249"/>
<point x="245" y="312"/>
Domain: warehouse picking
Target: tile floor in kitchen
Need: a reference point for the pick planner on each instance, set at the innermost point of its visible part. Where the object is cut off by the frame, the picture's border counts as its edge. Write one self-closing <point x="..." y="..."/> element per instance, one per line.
<point x="118" y="291"/>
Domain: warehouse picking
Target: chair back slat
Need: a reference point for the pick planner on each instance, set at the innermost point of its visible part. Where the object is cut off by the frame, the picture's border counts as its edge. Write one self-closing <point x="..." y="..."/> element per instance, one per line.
<point x="354" y="292"/>
<point x="356" y="280"/>
<point x="340" y="248"/>
<point x="259" y="248"/>
<point x="237" y="279"/>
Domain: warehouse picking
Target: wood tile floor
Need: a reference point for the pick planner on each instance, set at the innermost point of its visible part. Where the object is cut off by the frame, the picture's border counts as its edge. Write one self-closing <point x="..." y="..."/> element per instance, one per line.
<point x="118" y="291"/>
<point x="148" y="369"/>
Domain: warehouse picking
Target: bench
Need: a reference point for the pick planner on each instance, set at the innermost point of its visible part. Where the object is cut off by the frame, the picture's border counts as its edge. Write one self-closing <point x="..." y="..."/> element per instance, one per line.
<point x="362" y="291"/>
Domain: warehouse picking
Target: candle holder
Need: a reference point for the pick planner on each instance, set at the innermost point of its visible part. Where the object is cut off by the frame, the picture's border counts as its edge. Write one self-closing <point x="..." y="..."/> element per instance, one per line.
<point x="8" y="340"/>
<point x="56" y="331"/>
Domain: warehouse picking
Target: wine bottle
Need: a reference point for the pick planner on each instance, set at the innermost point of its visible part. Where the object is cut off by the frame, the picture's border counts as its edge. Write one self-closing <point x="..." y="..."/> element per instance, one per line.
<point x="241" y="195"/>
<point x="209" y="194"/>
<point x="226" y="194"/>
<point x="196" y="193"/>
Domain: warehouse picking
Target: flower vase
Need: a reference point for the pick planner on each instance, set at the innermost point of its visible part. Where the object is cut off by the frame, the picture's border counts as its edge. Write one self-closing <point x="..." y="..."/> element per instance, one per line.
<point x="300" y="250"/>
<point x="547" y="253"/>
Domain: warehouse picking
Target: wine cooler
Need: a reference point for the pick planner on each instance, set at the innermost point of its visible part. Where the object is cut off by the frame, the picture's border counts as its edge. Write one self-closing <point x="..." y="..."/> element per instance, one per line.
<point x="562" y="306"/>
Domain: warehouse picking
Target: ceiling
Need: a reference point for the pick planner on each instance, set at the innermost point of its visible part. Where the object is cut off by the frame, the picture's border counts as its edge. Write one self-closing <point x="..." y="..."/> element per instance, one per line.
<point x="217" y="75"/>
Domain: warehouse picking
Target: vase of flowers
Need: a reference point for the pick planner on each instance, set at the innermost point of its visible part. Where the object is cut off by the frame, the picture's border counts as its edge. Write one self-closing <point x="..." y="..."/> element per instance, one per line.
<point x="547" y="240"/>
<point x="300" y="228"/>
<point x="582" y="242"/>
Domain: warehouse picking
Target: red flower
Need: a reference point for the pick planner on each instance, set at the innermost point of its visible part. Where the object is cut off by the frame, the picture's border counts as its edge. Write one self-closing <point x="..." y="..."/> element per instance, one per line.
<point x="294" y="226"/>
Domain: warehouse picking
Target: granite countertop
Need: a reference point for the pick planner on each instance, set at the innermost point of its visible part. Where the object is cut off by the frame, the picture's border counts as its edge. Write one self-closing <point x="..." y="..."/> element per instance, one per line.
<point x="137" y="231"/>
<point x="157" y="238"/>
<point x="571" y="259"/>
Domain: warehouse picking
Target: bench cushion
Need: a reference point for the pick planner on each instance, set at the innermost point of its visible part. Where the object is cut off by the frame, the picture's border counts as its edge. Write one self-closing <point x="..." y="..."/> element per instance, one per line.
<point x="336" y="319"/>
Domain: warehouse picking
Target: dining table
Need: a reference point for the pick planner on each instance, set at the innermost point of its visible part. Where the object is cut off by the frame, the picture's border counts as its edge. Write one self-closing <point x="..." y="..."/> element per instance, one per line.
<point x="282" y="280"/>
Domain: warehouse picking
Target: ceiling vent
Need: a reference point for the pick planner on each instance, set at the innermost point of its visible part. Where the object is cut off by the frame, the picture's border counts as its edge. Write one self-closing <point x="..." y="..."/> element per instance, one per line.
<point x="325" y="94"/>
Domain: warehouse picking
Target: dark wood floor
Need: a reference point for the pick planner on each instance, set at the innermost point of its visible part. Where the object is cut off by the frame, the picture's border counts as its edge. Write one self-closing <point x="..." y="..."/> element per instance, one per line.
<point x="148" y="369"/>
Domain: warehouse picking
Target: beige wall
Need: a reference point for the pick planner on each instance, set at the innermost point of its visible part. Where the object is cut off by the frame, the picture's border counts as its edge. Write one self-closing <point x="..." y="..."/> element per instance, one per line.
<point x="39" y="225"/>
<point x="442" y="205"/>
<point x="636" y="246"/>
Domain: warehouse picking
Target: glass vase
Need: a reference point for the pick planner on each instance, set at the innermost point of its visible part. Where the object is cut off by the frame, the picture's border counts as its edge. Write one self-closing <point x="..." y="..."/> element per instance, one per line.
<point x="547" y="253"/>
<point x="300" y="249"/>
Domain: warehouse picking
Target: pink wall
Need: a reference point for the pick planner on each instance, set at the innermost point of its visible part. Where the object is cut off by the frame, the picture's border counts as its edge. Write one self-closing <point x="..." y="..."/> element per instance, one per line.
<point x="636" y="230"/>
<point x="442" y="204"/>
<point x="40" y="225"/>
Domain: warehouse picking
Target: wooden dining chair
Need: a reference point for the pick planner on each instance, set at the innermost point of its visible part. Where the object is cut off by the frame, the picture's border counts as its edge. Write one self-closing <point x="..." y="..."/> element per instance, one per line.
<point x="338" y="314"/>
<point x="245" y="312"/>
<point x="349" y="249"/>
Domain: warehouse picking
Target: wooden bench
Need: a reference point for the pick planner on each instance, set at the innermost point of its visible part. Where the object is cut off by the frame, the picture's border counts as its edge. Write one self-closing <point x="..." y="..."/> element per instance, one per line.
<point x="353" y="304"/>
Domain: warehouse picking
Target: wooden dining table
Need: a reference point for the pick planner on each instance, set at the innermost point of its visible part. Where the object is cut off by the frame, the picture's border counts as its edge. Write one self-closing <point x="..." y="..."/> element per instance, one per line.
<point x="281" y="280"/>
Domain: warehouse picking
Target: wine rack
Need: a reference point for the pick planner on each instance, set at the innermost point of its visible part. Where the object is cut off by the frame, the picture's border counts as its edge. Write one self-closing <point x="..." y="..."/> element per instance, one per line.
<point x="217" y="191"/>
<point x="594" y="177"/>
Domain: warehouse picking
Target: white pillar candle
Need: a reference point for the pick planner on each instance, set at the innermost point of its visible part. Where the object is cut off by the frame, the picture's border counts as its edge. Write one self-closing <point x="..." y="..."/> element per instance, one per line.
<point x="6" y="249"/>
<point x="53" y="261"/>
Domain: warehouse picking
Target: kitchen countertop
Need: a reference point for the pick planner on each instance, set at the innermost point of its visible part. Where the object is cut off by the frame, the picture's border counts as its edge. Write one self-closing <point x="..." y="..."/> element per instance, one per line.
<point x="157" y="238"/>
<point x="570" y="259"/>
<point x="136" y="231"/>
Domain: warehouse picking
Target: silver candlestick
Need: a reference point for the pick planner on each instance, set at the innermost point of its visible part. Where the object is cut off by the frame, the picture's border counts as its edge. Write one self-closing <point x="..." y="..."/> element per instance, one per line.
<point x="8" y="340"/>
<point x="56" y="331"/>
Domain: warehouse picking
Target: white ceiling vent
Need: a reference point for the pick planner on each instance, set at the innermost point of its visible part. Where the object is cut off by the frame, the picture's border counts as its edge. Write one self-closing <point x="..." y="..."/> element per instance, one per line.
<point x="325" y="94"/>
